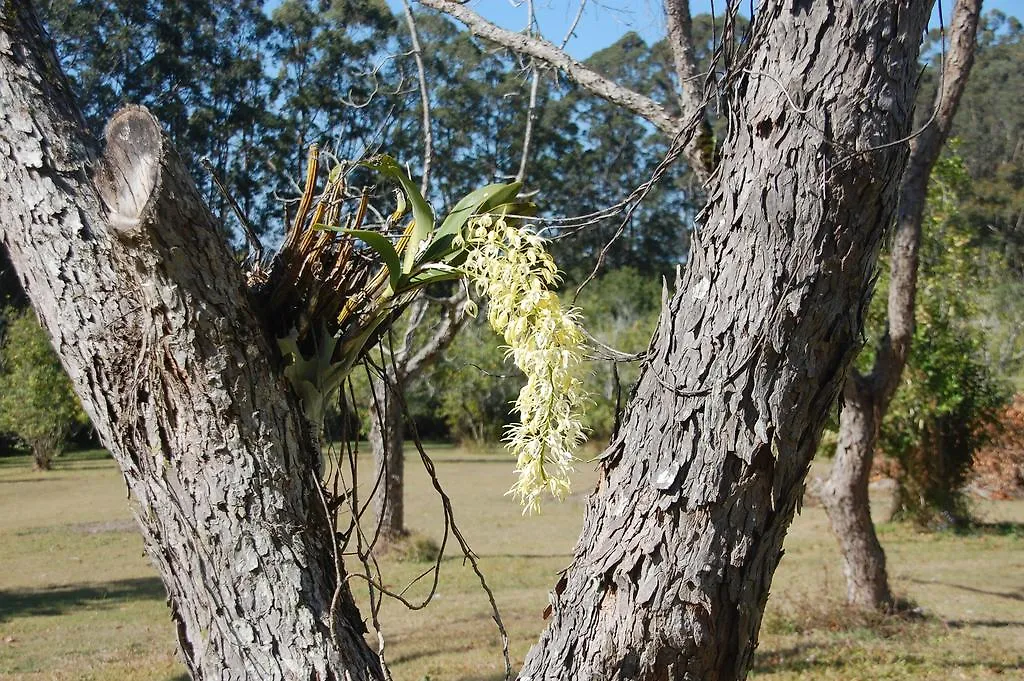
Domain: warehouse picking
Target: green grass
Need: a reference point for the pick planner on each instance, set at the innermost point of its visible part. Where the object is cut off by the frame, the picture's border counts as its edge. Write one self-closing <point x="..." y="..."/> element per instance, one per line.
<point x="78" y="599"/>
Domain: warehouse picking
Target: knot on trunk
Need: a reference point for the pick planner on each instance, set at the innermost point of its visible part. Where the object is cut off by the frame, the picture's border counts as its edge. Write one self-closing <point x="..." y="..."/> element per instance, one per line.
<point x="129" y="171"/>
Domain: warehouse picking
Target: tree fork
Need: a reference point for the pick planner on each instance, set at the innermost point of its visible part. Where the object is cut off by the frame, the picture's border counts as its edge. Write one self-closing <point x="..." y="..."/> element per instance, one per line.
<point x="684" y="532"/>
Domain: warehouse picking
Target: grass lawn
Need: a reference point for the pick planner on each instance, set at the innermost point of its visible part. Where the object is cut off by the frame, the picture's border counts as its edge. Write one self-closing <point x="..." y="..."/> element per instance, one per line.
<point x="79" y="600"/>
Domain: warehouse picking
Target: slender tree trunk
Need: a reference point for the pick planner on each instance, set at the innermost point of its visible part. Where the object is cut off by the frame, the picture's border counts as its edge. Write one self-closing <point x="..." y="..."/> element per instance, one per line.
<point x="387" y="426"/>
<point x="42" y="457"/>
<point x="845" y="494"/>
<point x="386" y="441"/>
<point x="151" y="317"/>
<point x="685" y="529"/>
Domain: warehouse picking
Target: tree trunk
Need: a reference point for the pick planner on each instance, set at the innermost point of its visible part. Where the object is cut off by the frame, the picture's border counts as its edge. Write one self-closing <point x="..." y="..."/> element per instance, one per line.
<point x="387" y="416"/>
<point x="151" y="317"/>
<point x="845" y="497"/>
<point x="386" y="441"/>
<point x="42" y="456"/>
<point x="845" y="494"/>
<point x="685" y="529"/>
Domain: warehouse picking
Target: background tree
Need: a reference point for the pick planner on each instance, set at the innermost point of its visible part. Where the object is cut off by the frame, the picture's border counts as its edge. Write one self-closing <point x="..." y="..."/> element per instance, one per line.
<point x="867" y="396"/>
<point x="950" y="397"/>
<point x="150" y="52"/>
<point x="37" y="402"/>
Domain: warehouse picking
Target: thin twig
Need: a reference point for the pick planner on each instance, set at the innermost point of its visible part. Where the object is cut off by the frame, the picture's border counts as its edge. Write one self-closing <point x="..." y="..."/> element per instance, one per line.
<point x="428" y="131"/>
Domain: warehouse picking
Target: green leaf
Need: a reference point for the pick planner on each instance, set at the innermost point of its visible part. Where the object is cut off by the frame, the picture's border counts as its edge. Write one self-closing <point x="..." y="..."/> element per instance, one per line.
<point x="384" y="247"/>
<point x="476" y="202"/>
<point x="422" y="213"/>
<point x="429" y="276"/>
<point x="440" y="249"/>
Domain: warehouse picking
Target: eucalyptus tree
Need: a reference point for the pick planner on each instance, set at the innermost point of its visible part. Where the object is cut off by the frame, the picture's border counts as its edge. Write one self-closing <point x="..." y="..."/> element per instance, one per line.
<point x="701" y="481"/>
<point x="867" y="396"/>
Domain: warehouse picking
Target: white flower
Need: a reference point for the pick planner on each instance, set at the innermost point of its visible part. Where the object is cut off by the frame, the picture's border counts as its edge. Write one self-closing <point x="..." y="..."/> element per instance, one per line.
<point x="511" y="267"/>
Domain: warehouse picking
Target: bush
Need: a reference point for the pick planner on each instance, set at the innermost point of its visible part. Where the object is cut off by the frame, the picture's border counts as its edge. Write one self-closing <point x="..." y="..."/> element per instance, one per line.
<point x="950" y="396"/>
<point x="37" y="403"/>
<point x="477" y="387"/>
<point x="620" y="309"/>
<point x="943" y="413"/>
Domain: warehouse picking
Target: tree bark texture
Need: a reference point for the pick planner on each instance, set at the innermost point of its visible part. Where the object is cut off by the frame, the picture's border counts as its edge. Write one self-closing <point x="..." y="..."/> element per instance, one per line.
<point x="685" y="529"/>
<point x="386" y="440"/>
<point x="845" y="496"/>
<point x="152" y="320"/>
<point x="845" y="493"/>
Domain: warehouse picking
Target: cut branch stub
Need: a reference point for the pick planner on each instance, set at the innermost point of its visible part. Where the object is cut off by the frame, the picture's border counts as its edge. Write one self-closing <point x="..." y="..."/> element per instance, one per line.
<point x="129" y="173"/>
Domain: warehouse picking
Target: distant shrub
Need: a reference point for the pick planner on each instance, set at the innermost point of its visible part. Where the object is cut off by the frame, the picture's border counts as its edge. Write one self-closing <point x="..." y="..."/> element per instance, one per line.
<point x="37" y="403"/>
<point x="943" y="413"/>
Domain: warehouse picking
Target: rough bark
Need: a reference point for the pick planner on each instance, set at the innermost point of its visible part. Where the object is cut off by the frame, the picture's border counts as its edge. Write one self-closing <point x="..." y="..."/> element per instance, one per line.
<point x="387" y="442"/>
<point x="685" y="529"/>
<point x="152" y="320"/>
<point x="847" y="503"/>
<point x="679" y="35"/>
<point x="845" y="493"/>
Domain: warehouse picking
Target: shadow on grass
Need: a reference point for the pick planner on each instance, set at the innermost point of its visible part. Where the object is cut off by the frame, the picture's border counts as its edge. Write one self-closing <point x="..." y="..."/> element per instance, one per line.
<point x="1000" y="529"/>
<point x="59" y="600"/>
<point x="1008" y="595"/>
<point x="799" y="658"/>
<point x="498" y="676"/>
<point x="835" y="652"/>
<point x="991" y="624"/>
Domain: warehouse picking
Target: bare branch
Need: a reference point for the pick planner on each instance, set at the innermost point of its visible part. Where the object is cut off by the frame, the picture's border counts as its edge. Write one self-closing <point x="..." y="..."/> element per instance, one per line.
<point x="454" y="318"/>
<point x="679" y="27"/>
<point x="428" y="132"/>
<point x="548" y="52"/>
<point x="416" y="313"/>
<point x="574" y="24"/>
<point x="532" y="107"/>
<point x="531" y="114"/>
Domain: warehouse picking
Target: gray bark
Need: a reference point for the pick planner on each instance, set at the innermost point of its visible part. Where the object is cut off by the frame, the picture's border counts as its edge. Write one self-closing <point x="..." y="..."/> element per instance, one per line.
<point x="387" y="442"/>
<point x="845" y="493"/>
<point x="697" y="489"/>
<point x="845" y="497"/>
<point x="153" y="322"/>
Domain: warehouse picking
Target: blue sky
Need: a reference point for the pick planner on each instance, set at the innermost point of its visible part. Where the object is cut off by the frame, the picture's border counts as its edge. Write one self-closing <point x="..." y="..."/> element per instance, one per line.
<point x="605" y="21"/>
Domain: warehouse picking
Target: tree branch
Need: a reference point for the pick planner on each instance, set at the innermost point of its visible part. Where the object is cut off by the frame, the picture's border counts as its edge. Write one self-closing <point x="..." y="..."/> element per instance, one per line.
<point x="679" y="28"/>
<point x="548" y="52"/>
<point x="454" y="317"/>
<point x="428" y="132"/>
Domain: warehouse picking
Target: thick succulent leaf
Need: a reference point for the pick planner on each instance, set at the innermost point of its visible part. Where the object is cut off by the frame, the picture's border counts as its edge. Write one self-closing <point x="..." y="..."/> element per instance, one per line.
<point x="384" y="248"/>
<point x="422" y="213"/>
<point x="427" y="276"/>
<point x="476" y="202"/>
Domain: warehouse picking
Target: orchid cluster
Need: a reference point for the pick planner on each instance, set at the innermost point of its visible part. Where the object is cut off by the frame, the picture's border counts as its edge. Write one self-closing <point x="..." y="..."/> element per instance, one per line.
<point x="512" y="269"/>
